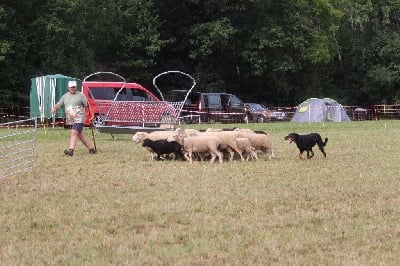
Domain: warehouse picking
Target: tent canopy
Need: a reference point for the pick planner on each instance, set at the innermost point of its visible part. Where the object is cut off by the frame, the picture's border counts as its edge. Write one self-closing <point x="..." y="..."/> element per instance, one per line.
<point x="45" y="92"/>
<point x="320" y="110"/>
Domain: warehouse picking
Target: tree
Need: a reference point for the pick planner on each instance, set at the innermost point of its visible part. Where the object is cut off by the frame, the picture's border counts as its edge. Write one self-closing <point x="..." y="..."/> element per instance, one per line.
<point x="369" y="37"/>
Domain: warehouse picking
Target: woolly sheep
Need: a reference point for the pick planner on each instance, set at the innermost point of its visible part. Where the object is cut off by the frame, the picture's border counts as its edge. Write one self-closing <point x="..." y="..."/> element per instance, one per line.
<point x="210" y="129"/>
<point x="227" y="139"/>
<point x="259" y="142"/>
<point x="155" y="135"/>
<point x="246" y="130"/>
<point x="200" y="144"/>
<point x="187" y="132"/>
<point x="244" y="145"/>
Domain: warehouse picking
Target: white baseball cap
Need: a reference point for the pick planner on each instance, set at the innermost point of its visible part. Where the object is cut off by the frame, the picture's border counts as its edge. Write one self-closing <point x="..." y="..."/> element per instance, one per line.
<point x="71" y="83"/>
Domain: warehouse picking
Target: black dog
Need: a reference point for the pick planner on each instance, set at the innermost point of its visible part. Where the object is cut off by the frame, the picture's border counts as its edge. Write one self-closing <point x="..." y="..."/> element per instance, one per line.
<point x="307" y="142"/>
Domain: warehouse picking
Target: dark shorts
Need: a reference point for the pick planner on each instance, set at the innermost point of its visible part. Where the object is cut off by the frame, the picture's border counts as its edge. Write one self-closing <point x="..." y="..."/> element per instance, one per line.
<point x="78" y="127"/>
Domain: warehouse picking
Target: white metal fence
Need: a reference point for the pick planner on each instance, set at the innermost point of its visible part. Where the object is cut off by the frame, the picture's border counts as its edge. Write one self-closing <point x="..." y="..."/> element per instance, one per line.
<point x="17" y="146"/>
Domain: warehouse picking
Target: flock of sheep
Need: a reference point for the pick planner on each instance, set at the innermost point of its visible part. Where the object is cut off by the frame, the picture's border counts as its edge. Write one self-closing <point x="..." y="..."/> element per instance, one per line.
<point x="210" y="143"/>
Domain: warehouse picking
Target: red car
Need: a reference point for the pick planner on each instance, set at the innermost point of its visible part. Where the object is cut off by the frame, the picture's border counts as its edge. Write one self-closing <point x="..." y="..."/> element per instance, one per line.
<point x="126" y="104"/>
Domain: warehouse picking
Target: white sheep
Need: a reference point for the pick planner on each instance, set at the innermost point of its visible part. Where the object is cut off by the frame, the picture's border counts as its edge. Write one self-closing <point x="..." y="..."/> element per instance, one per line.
<point x="260" y="141"/>
<point x="244" y="146"/>
<point x="155" y="135"/>
<point x="210" y="129"/>
<point x="187" y="132"/>
<point x="246" y="130"/>
<point x="199" y="144"/>
<point x="227" y="139"/>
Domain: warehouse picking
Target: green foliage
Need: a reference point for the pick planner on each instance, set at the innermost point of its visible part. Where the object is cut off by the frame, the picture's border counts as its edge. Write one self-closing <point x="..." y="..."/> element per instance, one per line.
<point x="275" y="52"/>
<point x="369" y="32"/>
<point x="5" y="46"/>
<point x="211" y="37"/>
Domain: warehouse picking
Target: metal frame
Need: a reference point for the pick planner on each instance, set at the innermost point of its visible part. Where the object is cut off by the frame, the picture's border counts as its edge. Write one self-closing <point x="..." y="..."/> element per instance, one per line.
<point x="128" y="117"/>
<point x="17" y="146"/>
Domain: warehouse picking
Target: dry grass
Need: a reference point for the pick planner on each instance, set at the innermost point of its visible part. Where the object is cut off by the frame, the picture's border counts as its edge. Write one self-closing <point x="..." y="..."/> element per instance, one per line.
<point x="117" y="207"/>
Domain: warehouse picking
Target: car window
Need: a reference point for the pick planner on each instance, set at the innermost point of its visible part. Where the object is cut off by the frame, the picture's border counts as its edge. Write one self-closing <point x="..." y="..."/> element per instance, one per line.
<point x="258" y="107"/>
<point x="139" y="95"/>
<point x="122" y="96"/>
<point x="102" y="93"/>
<point x="235" y="101"/>
<point x="212" y="99"/>
<point x="225" y="100"/>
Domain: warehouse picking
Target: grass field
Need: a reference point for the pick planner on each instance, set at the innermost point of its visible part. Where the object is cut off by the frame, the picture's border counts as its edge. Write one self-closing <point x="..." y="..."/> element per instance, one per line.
<point x="117" y="207"/>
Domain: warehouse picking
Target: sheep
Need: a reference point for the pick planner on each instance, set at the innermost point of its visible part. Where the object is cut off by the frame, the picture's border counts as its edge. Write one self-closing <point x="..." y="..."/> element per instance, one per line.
<point x="259" y="142"/>
<point x="227" y="139"/>
<point x="244" y="145"/>
<point x="245" y="130"/>
<point x="210" y="129"/>
<point x="201" y="144"/>
<point x="162" y="146"/>
<point x="188" y="132"/>
<point x="155" y="135"/>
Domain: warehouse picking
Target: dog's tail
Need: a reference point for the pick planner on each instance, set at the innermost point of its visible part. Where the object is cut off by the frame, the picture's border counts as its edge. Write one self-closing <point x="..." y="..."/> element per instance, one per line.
<point x="323" y="144"/>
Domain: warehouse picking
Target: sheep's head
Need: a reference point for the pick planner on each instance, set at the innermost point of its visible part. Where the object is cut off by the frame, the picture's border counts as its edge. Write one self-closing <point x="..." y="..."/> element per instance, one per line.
<point x="180" y="131"/>
<point x="175" y="137"/>
<point x="138" y="137"/>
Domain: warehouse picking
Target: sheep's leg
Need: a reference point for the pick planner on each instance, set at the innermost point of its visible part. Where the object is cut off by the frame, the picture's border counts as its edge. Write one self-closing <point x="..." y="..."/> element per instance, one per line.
<point x="271" y="153"/>
<point x="239" y="152"/>
<point x="186" y="156"/>
<point x="219" y="154"/>
<point x="151" y="152"/>
<point x="213" y="155"/>
<point x="231" y="154"/>
<point x="201" y="155"/>
<point x="190" y="156"/>
<point x="254" y="154"/>
<point x="247" y="156"/>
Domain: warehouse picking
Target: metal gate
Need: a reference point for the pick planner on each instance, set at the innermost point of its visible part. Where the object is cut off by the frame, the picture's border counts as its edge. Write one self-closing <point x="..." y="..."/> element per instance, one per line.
<point x="17" y="146"/>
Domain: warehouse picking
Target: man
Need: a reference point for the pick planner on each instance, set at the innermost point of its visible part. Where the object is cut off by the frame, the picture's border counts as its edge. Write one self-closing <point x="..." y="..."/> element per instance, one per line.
<point x="75" y="103"/>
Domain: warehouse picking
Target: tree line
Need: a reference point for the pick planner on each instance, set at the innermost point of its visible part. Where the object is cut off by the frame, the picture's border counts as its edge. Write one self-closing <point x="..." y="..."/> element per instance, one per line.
<point x="273" y="52"/>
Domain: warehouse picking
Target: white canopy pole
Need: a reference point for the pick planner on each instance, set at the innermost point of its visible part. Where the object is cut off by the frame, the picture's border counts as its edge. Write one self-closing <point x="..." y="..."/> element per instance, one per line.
<point x="53" y="97"/>
<point x="40" y="82"/>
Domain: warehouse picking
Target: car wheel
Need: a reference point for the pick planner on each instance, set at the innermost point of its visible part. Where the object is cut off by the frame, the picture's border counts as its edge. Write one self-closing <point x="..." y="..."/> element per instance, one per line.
<point x="260" y="119"/>
<point x="98" y="120"/>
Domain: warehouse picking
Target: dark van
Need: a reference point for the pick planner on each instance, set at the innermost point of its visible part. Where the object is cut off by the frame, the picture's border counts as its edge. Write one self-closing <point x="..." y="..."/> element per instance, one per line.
<point x="211" y="107"/>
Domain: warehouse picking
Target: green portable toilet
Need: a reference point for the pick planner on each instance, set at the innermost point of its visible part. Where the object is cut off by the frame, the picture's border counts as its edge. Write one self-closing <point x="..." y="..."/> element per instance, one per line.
<point x="45" y="92"/>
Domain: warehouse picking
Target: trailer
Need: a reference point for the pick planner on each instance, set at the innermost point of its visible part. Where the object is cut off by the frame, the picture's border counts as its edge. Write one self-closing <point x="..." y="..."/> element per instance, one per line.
<point x="127" y="112"/>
